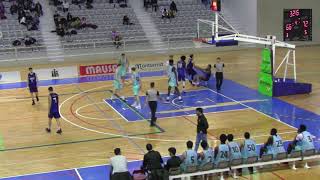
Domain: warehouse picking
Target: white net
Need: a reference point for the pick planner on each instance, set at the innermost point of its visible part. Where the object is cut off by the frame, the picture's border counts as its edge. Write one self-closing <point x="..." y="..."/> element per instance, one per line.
<point x="205" y="29"/>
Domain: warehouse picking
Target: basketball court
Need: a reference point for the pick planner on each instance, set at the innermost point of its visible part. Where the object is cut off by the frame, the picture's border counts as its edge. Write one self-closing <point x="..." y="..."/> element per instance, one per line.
<point x="93" y="125"/>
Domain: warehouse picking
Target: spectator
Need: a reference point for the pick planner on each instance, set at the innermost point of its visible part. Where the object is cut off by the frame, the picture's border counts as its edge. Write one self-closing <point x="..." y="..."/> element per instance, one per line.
<point x="154" y="4"/>
<point x="165" y="14"/>
<point x="119" y="167"/>
<point x="125" y="20"/>
<point x="116" y="38"/>
<point x="248" y="149"/>
<point x="174" y="161"/>
<point x="76" y="23"/>
<point x="65" y="5"/>
<point x="29" y="40"/>
<point x="152" y="162"/>
<point x="83" y="22"/>
<point x="38" y="8"/>
<point x="207" y="155"/>
<point x="69" y="17"/>
<point x="173" y="7"/>
<point x="13" y="8"/>
<point x="189" y="157"/>
<point x="2" y="11"/>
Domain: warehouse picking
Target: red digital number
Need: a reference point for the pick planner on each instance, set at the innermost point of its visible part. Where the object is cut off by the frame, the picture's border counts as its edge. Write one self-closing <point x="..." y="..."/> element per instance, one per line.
<point x="305" y="32"/>
<point x="288" y="27"/>
<point x="294" y="12"/>
<point x="306" y="24"/>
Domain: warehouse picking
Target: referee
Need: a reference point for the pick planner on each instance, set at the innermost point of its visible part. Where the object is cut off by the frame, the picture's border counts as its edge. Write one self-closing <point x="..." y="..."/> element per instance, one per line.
<point x="219" y="73"/>
<point x="152" y="98"/>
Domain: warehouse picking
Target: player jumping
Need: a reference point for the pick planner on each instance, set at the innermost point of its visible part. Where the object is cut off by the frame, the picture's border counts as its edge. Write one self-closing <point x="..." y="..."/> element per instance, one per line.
<point x="53" y="101"/>
<point x="136" y="85"/>
<point x="32" y="85"/>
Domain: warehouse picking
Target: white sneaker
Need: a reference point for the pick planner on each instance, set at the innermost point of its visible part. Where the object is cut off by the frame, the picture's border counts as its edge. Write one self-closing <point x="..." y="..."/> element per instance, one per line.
<point x="138" y="106"/>
<point x="306" y="166"/>
<point x="123" y="98"/>
<point x="134" y="104"/>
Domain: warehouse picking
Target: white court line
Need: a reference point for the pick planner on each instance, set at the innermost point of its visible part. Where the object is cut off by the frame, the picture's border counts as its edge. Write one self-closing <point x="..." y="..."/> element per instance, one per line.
<point x="252" y="108"/>
<point x="79" y="176"/>
<point x="88" y="117"/>
<point x="115" y="109"/>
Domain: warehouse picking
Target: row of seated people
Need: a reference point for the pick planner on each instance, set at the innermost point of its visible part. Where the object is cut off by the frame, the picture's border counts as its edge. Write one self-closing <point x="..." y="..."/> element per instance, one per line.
<point x="227" y="151"/>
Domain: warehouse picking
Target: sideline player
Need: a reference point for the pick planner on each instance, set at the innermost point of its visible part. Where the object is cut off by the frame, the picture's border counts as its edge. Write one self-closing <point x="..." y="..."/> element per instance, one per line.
<point x="124" y="67"/>
<point x="32" y="85"/>
<point x="181" y="69"/>
<point x="53" y="102"/>
<point x="173" y="83"/>
<point x="117" y="83"/>
<point x="136" y="85"/>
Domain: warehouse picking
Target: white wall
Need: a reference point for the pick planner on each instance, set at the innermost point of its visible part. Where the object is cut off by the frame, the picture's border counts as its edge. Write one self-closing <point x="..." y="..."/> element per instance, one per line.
<point x="244" y="11"/>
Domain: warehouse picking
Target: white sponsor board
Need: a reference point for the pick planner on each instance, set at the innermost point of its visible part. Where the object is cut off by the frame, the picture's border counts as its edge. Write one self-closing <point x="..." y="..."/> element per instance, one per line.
<point x="10" y="77"/>
<point x="57" y="73"/>
<point x="155" y="66"/>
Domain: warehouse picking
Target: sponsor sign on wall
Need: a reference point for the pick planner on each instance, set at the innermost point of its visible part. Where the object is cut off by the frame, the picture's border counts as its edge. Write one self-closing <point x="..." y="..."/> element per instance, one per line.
<point x="10" y="77"/>
<point x="97" y="69"/>
<point x="156" y="66"/>
<point x="57" y="73"/>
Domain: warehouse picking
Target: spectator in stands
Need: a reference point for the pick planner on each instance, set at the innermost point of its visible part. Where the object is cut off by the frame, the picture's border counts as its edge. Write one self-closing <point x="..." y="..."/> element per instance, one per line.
<point x="125" y="20"/>
<point x="116" y="38"/>
<point x="28" y="41"/>
<point x="65" y="6"/>
<point x="2" y="11"/>
<point x="34" y="23"/>
<point x="207" y="154"/>
<point x="13" y="8"/>
<point x="146" y="4"/>
<point x="152" y="162"/>
<point x="83" y="22"/>
<point x="119" y="166"/>
<point x="189" y="157"/>
<point x="248" y="149"/>
<point x="165" y="14"/>
<point x="154" y="4"/>
<point x="76" y="23"/>
<point x="221" y="152"/>
<point x="173" y="9"/>
<point x="174" y="161"/>
<point x="38" y="8"/>
<point x="69" y="17"/>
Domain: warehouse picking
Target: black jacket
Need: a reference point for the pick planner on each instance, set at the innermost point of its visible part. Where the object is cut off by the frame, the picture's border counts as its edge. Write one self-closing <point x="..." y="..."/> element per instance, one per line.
<point x="152" y="160"/>
<point x="202" y="124"/>
<point x="173" y="162"/>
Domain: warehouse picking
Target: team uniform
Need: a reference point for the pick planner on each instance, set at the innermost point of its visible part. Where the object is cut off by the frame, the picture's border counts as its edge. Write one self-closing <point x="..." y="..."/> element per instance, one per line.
<point x="135" y="83"/>
<point x="277" y="145"/>
<point x="235" y="152"/>
<point x="181" y="69"/>
<point x="54" y="107"/>
<point x="249" y="148"/>
<point x="117" y="84"/>
<point x="190" y="160"/>
<point x="190" y="71"/>
<point x="172" y="79"/>
<point x="208" y="157"/>
<point x="123" y="68"/>
<point x="32" y="82"/>
<point x="223" y="154"/>
<point x="306" y="142"/>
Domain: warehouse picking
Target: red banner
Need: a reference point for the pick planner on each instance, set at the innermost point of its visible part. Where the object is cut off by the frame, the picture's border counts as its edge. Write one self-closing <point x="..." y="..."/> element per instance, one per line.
<point x="97" y="69"/>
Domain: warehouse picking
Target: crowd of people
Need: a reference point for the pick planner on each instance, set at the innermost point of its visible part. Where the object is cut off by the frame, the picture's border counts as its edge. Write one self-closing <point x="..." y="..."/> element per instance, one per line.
<point x="155" y="168"/>
<point x="171" y="13"/>
<point x="151" y="3"/>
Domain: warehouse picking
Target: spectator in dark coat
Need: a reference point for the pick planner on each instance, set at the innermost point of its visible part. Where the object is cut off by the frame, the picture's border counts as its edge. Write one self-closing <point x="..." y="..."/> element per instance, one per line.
<point x="38" y="8"/>
<point x="13" y="8"/>
<point x="173" y="7"/>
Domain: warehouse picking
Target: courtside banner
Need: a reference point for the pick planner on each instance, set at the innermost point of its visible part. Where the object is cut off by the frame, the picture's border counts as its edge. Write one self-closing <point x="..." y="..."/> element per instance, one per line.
<point x="57" y="73"/>
<point x="10" y="77"/>
<point x="156" y="66"/>
<point x="97" y="69"/>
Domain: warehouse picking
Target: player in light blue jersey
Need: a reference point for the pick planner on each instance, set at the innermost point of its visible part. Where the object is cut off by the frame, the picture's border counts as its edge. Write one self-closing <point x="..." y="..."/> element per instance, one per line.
<point x="235" y="152"/>
<point x="207" y="155"/>
<point x="189" y="157"/>
<point x="221" y="152"/>
<point x="117" y="82"/>
<point x="173" y="84"/>
<point x="274" y="144"/>
<point x="248" y="148"/>
<point x="136" y="85"/>
<point x="124" y="67"/>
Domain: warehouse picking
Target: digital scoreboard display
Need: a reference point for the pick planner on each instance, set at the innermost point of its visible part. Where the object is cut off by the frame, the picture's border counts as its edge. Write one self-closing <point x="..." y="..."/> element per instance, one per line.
<point x="297" y="25"/>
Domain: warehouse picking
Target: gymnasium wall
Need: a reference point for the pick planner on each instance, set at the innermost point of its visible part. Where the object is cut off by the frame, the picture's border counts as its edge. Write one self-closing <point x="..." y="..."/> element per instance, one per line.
<point x="243" y="12"/>
<point x="270" y="16"/>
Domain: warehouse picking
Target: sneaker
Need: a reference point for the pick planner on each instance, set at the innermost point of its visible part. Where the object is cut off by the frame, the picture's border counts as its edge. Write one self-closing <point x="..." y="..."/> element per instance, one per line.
<point x="37" y="98"/>
<point x="138" y="106"/>
<point x="59" y="131"/>
<point x="134" y="104"/>
<point x="306" y="166"/>
<point x="33" y="103"/>
<point x="48" y="130"/>
<point x="123" y="98"/>
<point x="180" y="98"/>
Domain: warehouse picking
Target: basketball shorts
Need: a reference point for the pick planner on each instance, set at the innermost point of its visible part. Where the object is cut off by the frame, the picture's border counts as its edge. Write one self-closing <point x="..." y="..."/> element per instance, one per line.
<point x="33" y="89"/>
<point x="172" y="83"/>
<point x="123" y="71"/>
<point x="55" y="115"/>
<point x="181" y="77"/>
<point x="136" y="90"/>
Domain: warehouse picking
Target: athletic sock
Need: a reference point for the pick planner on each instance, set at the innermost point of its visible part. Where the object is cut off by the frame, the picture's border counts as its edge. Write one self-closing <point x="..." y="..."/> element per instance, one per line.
<point x="37" y="98"/>
<point x="33" y="103"/>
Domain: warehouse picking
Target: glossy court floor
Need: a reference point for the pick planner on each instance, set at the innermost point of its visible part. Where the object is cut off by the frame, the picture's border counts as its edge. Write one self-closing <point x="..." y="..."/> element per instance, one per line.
<point x="93" y="125"/>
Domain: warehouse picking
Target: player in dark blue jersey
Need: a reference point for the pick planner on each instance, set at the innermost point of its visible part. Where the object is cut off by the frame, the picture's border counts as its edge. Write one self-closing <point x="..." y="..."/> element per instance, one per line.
<point x="53" y="102"/>
<point x="182" y="70"/>
<point x="190" y="69"/>
<point x="32" y="85"/>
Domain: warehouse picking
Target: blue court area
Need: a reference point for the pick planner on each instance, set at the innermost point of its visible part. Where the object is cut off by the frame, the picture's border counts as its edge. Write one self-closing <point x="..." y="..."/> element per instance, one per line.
<point x="233" y="96"/>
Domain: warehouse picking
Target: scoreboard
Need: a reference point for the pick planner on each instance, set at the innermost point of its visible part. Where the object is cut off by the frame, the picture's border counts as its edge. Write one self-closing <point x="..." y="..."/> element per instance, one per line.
<point x="297" y="25"/>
